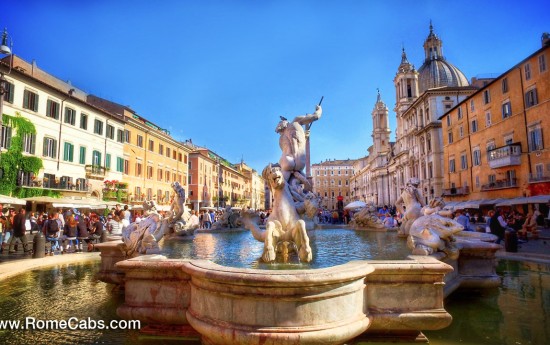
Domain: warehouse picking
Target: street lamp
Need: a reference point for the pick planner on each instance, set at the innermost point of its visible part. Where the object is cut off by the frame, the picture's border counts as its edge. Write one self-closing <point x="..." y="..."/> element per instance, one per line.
<point x="5" y="49"/>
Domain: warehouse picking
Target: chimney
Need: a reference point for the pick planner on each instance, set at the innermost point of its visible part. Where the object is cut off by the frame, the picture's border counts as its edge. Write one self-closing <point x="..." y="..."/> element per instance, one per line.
<point x="545" y="39"/>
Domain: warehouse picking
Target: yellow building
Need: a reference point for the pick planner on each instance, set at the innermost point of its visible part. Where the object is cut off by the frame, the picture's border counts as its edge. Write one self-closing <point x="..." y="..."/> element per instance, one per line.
<point x="331" y="181"/>
<point x="153" y="160"/>
<point x="255" y="189"/>
<point x="494" y="140"/>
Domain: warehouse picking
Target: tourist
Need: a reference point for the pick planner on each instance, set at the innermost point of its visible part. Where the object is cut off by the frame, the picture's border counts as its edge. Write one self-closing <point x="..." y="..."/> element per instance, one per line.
<point x="207" y="220"/>
<point x="530" y="225"/>
<point x="19" y="231"/>
<point x="126" y="215"/>
<point x="52" y="228"/>
<point x="497" y="226"/>
<point x="138" y="217"/>
<point x="70" y="231"/>
<point x="82" y="232"/>
<point x="389" y="222"/>
<point x="194" y="220"/>
<point x="96" y="230"/>
<point x="3" y="221"/>
<point x="114" y="225"/>
<point x="463" y="220"/>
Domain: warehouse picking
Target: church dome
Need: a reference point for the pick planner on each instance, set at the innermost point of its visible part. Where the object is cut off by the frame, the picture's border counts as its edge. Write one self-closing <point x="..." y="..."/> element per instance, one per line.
<point x="436" y="70"/>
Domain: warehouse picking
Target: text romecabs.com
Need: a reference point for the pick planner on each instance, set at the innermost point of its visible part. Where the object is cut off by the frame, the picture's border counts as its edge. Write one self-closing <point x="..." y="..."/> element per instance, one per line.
<point x="33" y="323"/>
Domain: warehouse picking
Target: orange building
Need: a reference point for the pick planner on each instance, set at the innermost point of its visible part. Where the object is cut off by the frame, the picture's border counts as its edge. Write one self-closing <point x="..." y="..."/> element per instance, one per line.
<point x="494" y="140"/>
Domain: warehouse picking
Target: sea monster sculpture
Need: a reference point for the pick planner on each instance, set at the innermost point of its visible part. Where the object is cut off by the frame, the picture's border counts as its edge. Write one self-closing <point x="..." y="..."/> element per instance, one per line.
<point x="434" y="231"/>
<point x="412" y="199"/>
<point x="143" y="237"/>
<point x="367" y="217"/>
<point x="283" y="224"/>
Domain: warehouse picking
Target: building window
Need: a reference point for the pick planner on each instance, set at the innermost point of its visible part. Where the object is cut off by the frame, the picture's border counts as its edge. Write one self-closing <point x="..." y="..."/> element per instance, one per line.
<point x="110" y="132"/>
<point x="161" y="149"/>
<point x="531" y="98"/>
<point x="29" y="143"/>
<point x="108" y="160"/>
<point x="450" y="137"/>
<point x="138" y="169"/>
<point x="49" y="148"/>
<point x="459" y="112"/>
<point x="126" y="167"/>
<point x="463" y="161"/>
<point x="8" y="91"/>
<point x="127" y="136"/>
<point x="429" y="143"/>
<point x="486" y="97"/>
<point x="159" y="174"/>
<point x="98" y="127"/>
<point x="96" y="158"/>
<point x="68" y="152"/>
<point x="82" y="159"/>
<point x="535" y="139"/>
<point x="52" y="109"/>
<point x="506" y="109"/>
<point x="30" y="100"/>
<point x="151" y="145"/>
<point x="168" y="152"/>
<point x="120" y="136"/>
<point x="139" y="140"/>
<point x="527" y="69"/>
<point x="430" y="170"/>
<point x="542" y="63"/>
<point x="476" y="159"/>
<point x="167" y="176"/>
<point x="70" y="116"/>
<point x="504" y="85"/>
<point x="488" y="119"/>
<point x="452" y="165"/>
<point x="492" y="178"/>
<point x="477" y="181"/>
<point x="137" y="191"/>
<point x="84" y="121"/>
<point x="472" y="107"/>
<point x="6" y="137"/>
<point x="461" y="132"/>
<point x="149" y="193"/>
<point x="539" y="172"/>
<point x="474" y="126"/>
<point x="149" y="172"/>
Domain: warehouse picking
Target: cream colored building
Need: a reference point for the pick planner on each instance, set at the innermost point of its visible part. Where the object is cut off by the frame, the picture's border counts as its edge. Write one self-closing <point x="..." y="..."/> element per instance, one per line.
<point x="255" y="190"/>
<point x="80" y="145"/>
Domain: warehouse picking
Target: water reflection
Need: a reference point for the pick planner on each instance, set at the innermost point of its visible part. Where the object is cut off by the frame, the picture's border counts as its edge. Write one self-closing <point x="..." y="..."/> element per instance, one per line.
<point x="518" y="312"/>
<point x="330" y="247"/>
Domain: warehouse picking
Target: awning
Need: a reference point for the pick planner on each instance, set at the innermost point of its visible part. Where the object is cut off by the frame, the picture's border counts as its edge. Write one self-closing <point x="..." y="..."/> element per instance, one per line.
<point x="355" y="204"/>
<point x="539" y="199"/>
<point x="4" y="199"/>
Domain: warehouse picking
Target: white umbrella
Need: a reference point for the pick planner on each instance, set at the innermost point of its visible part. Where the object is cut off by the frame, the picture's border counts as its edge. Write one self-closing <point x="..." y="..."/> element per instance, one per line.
<point x="355" y="204"/>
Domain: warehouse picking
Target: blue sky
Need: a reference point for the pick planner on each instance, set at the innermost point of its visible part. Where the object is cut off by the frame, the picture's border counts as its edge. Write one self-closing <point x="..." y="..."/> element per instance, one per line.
<point x="221" y="72"/>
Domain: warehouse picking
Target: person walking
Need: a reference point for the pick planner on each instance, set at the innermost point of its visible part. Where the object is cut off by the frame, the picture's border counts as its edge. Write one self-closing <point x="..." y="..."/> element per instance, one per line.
<point x="19" y="230"/>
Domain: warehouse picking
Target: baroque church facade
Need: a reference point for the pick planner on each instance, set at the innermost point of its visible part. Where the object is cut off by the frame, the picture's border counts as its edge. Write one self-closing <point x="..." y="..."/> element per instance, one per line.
<point x="422" y="97"/>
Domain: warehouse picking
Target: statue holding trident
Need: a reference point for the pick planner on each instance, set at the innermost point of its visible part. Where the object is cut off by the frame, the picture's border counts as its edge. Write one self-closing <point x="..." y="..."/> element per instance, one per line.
<point x="293" y="142"/>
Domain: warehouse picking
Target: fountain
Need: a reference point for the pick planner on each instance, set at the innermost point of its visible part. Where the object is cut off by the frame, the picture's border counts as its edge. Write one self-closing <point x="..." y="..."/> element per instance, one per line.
<point x="376" y="299"/>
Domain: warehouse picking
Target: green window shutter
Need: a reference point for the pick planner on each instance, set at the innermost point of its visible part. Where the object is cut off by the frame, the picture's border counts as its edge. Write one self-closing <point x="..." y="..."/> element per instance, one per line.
<point x="8" y="137"/>
<point x="66" y="152"/>
<point x="26" y="99"/>
<point x="35" y="106"/>
<point x="33" y="144"/>
<point x="82" y="155"/>
<point x="54" y="148"/>
<point x="10" y="90"/>
<point x="108" y="160"/>
<point x="119" y="164"/>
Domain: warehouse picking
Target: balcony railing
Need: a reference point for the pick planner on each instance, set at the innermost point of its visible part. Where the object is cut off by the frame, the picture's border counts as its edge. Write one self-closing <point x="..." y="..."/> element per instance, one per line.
<point x="457" y="191"/>
<point x="95" y="171"/>
<point x="500" y="184"/>
<point x="505" y="156"/>
<point x="47" y="184"/>
<point x="538" y="178"/>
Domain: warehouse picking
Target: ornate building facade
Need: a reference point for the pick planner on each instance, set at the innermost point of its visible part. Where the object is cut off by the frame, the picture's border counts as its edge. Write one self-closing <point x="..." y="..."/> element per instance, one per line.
<point x="331" y="181"/>
<point x="495" y="142"/>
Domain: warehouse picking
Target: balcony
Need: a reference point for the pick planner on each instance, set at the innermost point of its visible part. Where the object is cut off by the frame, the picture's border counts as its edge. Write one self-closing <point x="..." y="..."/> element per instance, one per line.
<point x="61" y="185"/>
<point x="535" y="178"/>
<point x="504" y="156"/>
<point x="500" y="184"/>
<point x="95" y="172"/>
<point x="456" y="191"/>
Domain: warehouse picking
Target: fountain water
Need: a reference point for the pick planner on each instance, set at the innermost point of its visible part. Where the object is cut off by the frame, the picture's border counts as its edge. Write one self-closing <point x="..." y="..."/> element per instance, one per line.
<point x="394" y="299"/>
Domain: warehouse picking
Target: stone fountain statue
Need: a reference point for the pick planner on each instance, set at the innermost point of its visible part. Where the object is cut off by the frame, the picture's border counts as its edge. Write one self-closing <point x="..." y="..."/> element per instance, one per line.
<point x="366" y="218"/>
<point x="228" y="220"/>
<point x="179" y="223"/>
<point x="285" y="228"/>
<point x="412" y="199"/>
<point x="434" y="231"/>
<point x="143" y="237"/>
